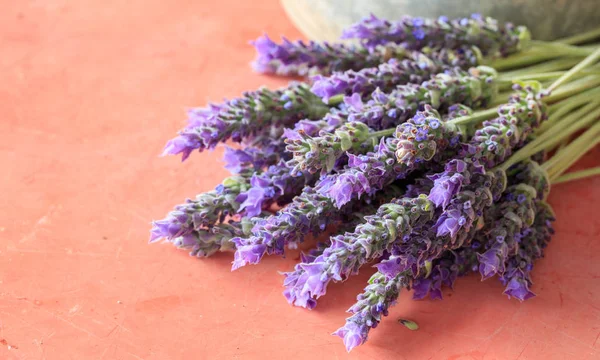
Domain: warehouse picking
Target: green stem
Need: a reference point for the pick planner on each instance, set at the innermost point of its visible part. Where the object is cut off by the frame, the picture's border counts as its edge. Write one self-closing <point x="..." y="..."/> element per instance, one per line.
<point x="581" y="37"/>
<point x="335" y="100"/>
<point x="560" y="108"/>
<point x="589" y="60"/>
<point x="566" y="107"/>
<point x="572" y="153"/>
<point x="536" y="55"/>
<point x="476" y="117"/>
<point x="382" y="133"/>
<point x="579" y="120"/>
<point x="577" y="175"/>
<point x="563" y="144"/>
<point x="565" y="49"/>
<point x="573" y="88"/>
<point x="545" y="75"/>
<point x="553" y="65"/>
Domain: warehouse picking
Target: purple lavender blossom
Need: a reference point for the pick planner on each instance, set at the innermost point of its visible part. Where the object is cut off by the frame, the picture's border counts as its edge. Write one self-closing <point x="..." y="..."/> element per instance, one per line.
<point x="245" y="118"/>
<point x="253" y="159"/>
<point x="278" y="184"/>
<point x="414" y="33"/>
<point x="300" y="58"/>
<point x="444" y="272"/>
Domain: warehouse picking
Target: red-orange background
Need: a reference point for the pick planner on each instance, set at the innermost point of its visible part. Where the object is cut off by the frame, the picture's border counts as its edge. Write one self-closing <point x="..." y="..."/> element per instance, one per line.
<point x="89" y="93"/>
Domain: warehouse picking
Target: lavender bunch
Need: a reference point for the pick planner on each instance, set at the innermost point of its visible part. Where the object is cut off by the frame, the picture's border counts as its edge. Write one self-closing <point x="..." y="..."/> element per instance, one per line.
<point x="300" y="58"/>
<point x="313" y="211"/>
<point x="246" y="117"/>
<point x="466" y="206"/>
<point x="490" y="36"/>
<point x="415" y="69"/>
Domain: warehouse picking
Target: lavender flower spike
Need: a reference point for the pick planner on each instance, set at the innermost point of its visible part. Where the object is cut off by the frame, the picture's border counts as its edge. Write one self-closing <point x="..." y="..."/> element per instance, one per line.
<point x="314" y="153"/>
<point x="415" y="69"/>
<point x="206" y="242"/>
<point x="475" y="88"/>
<point x="490" y="36"/>
<point x="299" y="58"/>
<point x="246" y="194"/>
<point x="368" y="241"/>
<point x="516" y="213"/>
<point x="246" y="117"/>
<point x="309" y="212"/>
<point x="206" y="210"/>
<point x="374" y="302"/>
<point x="517" y="277"/>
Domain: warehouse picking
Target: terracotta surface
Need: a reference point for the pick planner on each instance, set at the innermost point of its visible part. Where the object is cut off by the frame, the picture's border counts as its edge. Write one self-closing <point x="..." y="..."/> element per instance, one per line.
<point x="90" y="92"/>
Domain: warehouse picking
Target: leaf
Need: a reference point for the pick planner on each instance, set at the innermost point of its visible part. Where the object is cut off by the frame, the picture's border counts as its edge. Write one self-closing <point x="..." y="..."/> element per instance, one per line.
<point x="411" y="325"/>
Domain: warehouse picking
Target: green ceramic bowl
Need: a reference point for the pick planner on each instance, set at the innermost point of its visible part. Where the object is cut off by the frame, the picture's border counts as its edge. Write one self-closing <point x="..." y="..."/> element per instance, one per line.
<point x="546" y="19"/>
